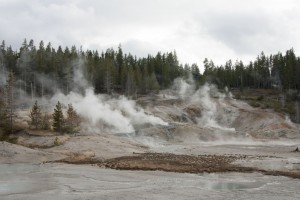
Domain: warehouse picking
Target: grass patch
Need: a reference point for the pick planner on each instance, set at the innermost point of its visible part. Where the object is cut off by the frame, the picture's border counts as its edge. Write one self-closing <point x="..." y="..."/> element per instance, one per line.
<point x="269" y="99"/>
<point x="13" y="140"/>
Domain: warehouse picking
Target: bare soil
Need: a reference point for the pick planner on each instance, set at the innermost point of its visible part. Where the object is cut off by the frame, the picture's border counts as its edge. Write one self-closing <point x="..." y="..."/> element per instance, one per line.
<point x="184" y="146"/>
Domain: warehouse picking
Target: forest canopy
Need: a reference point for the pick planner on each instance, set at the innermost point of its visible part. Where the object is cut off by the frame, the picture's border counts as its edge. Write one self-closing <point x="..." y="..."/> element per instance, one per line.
<point x="37" y="67"/>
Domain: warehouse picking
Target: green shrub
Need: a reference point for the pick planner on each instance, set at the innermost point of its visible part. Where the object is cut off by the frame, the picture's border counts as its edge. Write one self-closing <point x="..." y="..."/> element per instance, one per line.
<point x="260" y="98"/>
<point x="56" y="141"/>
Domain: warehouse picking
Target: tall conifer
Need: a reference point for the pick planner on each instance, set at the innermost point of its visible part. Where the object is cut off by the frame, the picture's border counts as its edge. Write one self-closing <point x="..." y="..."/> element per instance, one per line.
<point x="58" y="118"/>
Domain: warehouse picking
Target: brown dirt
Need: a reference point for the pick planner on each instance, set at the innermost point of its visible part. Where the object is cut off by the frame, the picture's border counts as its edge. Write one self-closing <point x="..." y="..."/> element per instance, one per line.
<point x="193" y="111"/>
<point x="111" y="151"/>
<point x="187" y="164"/>
<point x="177" y="163"/>
<point x="87" y="157"/>
<point x="280" y="126"/>
<point x="172" y="162"/>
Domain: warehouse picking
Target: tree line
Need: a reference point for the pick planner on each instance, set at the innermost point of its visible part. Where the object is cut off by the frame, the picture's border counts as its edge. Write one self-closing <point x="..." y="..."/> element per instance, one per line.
<point x="281" y="71"/>
<point x="38" y="120"/>
<point x="36" y="68"/>
<point x="61" y="124"/>
<point x="7" y="106"/>
<point x="44" y="70"/>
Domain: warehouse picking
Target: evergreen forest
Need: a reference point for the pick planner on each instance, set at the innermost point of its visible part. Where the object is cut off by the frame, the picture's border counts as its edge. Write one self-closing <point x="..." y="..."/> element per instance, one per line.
<point x="37" y="67"/>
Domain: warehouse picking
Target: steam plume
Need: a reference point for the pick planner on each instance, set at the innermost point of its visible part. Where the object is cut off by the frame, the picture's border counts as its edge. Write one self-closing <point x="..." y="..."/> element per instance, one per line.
<point x="105" y="113"/>
<point x="208" y="98"/>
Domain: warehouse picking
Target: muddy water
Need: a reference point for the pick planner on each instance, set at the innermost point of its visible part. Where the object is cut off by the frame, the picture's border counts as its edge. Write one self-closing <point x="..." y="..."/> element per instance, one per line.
<point x="61" y="181"/>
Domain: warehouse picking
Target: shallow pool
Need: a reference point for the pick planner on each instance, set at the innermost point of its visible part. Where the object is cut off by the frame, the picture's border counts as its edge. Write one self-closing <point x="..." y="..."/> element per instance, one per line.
<point x="62" y="181"/>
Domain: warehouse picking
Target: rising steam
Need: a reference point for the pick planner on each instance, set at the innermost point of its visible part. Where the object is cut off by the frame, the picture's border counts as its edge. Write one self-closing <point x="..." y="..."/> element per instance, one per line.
<point x="101" y="112"/>
<point x="208" y="97"/>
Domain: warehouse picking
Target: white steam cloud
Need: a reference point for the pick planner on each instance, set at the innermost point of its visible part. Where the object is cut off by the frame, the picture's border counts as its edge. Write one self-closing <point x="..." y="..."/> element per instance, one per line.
<point x="100" y="113"/>
<point x="208" y="98"/>
<point x="184" y="88"/>
<point x="103" y="113"/>
<point x="211" y="113"/>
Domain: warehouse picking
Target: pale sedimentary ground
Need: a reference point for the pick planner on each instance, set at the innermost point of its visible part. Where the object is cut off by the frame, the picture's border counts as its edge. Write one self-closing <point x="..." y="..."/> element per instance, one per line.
<point x="258" y="139"/>
<point x="61" y="181"/>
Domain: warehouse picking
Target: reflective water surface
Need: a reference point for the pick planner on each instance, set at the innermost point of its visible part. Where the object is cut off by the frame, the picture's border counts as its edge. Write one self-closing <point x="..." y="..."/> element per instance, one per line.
<point x="61" y="181"/>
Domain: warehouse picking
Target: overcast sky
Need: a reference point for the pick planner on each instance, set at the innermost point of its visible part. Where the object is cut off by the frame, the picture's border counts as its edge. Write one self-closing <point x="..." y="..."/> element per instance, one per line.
<point x="196" y="29"/>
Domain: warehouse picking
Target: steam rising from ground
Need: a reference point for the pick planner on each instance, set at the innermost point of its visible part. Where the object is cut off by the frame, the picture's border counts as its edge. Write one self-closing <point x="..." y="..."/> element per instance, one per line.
<point x="101" y="112"/>
<point x="210" y="108"/>
<point x="184" y="88"/>
<point x="208" y="97"/>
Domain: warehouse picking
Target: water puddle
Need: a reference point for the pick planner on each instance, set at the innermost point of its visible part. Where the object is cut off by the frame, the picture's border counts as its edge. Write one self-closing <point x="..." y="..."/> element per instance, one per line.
<point x="61" y="181"/>
<point x="18" y="168"/>
<point x="229" y="186"/>
<point x="295" y="166"/>
<point x="274" y="164"/>
<point x="232" y="181"/>
<point x="14" y="187"/>
<point x="14" y="178"/>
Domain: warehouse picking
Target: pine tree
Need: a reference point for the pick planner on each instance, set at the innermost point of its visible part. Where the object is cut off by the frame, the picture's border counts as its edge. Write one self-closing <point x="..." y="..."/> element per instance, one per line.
<point x="45" y="124"/>
<point x="58" y="118"/>
<point x="3" y="113"/>
<point x="72" y="121"/>
<point x="153" y="83"/>
<point x="36" y="116"/>
<point x="9" y="102"/>
<point x="130" y="84"/>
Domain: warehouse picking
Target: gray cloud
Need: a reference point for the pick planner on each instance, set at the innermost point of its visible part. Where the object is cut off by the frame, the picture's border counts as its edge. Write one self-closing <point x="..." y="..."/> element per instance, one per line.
<point x="216" y="29"/>
<point x="241" y="32"/>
